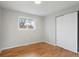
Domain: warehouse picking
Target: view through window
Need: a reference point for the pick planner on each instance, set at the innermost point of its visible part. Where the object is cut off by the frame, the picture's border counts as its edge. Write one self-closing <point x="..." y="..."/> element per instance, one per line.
<point x="25" y="23"/>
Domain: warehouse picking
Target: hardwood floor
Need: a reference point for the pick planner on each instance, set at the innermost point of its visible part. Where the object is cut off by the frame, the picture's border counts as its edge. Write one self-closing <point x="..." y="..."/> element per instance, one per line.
<point x="41" y="49"/>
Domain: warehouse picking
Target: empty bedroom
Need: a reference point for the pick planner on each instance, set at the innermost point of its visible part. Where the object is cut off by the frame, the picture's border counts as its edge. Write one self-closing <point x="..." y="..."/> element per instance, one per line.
<point x="39" y="28"/>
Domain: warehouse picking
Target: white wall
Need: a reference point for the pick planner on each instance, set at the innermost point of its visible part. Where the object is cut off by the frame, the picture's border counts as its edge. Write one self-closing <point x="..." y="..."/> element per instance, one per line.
<point x="13" y="37"/>
<point x="0" y="28"/>
<point x="50" y="23"/>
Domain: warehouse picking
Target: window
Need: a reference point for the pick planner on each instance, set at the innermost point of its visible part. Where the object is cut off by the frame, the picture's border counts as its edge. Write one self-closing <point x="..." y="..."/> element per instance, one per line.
<point x="25" y="23"/>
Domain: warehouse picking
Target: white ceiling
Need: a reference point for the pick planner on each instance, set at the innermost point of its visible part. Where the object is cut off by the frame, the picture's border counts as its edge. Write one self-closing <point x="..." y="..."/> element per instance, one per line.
<point x="47" y="7"/>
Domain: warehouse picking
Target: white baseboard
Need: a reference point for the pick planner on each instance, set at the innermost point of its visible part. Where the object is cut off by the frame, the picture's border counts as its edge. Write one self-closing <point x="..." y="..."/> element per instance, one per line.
<point x="29" y="44"/>
<point x="21" y="45"/>
<point x="59" y="46"/>
<point x="50" y="43"/>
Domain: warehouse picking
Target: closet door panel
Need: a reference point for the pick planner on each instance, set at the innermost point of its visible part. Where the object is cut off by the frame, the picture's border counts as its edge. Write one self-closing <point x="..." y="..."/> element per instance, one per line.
<point x="59" y="30"/>
<point x="68" y="36"/>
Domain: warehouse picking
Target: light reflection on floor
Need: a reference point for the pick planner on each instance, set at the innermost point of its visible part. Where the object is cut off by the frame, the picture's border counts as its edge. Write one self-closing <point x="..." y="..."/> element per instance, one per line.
<point x="29" y="55"/>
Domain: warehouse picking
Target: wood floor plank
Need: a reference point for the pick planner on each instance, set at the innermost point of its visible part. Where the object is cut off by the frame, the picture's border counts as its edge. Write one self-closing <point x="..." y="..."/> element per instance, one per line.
<point x="41" y="49"/>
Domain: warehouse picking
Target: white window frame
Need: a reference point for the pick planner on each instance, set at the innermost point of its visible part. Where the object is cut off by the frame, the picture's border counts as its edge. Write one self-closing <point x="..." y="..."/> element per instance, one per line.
<point x="27" y="18"/>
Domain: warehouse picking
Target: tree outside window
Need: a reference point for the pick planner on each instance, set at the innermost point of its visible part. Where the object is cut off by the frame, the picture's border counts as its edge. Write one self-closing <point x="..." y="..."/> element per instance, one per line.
<point x="25" y="23"/>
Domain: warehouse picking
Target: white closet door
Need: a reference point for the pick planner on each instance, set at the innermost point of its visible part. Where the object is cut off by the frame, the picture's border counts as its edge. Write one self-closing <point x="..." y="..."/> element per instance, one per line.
<point x="59" y="30"/>
<point x="67" y="31"/>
